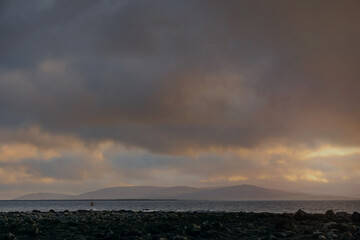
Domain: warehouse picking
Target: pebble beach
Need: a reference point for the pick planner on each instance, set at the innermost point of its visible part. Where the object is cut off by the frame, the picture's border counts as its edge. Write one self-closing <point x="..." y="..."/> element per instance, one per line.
<point x="84" y="224"/>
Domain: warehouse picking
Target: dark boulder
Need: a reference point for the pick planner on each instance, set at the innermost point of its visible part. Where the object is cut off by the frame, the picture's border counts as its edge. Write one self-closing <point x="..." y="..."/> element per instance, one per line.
<point x="355" y="217"/>
<point x="301" y="215"/>
<point x="330" y="214"/>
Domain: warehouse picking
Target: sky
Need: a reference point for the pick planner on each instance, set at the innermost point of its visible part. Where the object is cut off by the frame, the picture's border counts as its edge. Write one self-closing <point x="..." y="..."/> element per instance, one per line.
<point x="109" y="93"/>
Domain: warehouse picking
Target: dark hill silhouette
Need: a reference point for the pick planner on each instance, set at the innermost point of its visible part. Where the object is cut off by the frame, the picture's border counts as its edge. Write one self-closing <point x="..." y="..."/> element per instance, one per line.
<point x="239" y="192"/>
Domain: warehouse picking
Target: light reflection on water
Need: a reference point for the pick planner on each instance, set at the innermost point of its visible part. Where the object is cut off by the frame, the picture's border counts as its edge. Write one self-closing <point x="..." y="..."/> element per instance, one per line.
<point x="165" y="205"/>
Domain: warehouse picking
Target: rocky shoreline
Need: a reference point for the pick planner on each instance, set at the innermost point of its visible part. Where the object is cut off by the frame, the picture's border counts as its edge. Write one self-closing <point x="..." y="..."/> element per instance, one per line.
<point x="178" y="225"/>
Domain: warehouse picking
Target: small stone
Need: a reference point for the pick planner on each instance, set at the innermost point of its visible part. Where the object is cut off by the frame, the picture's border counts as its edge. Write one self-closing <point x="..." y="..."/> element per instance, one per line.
<point x="193" y="230"/>
<point x="321" y="237"/>
<point x="317" y="233"/>
<point x="335" y="236"/>
<point x="178" y="237"/>
<point x="331" y="234"/>
<point x="10" y="236"/>
<point x="280" y="234"/>
<point x="348" y="236"/>
<point x="272" y="237"/>
<point x="108" y="233"/>
<point x="285" y="225"/>
<point x="330" y="225"/>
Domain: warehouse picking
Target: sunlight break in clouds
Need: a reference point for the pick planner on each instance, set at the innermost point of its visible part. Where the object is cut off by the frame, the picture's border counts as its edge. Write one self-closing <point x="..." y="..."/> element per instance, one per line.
<point x="32" y="155"/>
<point x="308" y="175"/>
<point x="328" y="151"/>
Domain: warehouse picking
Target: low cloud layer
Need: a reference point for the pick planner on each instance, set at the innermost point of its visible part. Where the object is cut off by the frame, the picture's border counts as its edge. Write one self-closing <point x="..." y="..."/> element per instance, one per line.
<point x="179" y="89"/>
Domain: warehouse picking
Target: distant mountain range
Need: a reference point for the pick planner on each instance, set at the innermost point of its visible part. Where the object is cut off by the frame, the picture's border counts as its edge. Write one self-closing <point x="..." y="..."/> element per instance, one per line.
<point x="240" y="192"/>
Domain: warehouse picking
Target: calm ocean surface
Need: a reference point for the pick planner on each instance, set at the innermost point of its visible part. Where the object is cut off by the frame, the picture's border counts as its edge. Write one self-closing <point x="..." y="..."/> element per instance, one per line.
<point x="164" y="205"/>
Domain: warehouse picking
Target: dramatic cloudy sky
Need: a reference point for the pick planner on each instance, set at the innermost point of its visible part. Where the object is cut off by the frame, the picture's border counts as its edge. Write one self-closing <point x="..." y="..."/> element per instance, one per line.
<point x="204" y="93"/>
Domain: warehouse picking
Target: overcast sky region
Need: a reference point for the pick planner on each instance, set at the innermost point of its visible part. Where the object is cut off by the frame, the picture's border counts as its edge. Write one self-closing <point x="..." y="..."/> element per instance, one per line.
<point x="112" y="93"/>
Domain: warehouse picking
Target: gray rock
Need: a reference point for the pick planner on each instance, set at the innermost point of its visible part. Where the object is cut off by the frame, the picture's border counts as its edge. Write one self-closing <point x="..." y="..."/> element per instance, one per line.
<point x="280" y="234"/>
<point x="178" y="237"/>
<point x="331" y="234"/>
<point x="317" y="233"/>
<point x="330" y="225"/>
<point x="335" y="236"/>
<point x="272" y="237"/>
<point x="321" y="237"/>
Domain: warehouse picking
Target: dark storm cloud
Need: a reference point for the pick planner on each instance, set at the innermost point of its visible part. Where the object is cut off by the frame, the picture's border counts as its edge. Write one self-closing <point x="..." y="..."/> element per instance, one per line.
<point x="175" y="75"/>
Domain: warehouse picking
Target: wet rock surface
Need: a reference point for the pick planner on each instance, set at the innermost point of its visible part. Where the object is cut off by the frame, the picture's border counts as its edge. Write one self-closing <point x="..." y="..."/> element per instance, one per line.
<point x="177" y="225"/>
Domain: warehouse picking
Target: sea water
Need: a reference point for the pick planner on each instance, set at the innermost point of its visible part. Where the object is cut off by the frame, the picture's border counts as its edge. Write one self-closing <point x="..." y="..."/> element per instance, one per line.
<point x="179" y="205"/>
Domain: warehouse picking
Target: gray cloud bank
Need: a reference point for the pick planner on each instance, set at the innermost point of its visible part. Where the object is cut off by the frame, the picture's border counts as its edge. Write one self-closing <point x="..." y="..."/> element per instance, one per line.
<point x="168" y="76"/>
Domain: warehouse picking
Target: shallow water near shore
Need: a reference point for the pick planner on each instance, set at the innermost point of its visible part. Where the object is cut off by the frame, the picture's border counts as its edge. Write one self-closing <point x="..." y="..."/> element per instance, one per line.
<point x="182" y="206"/>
